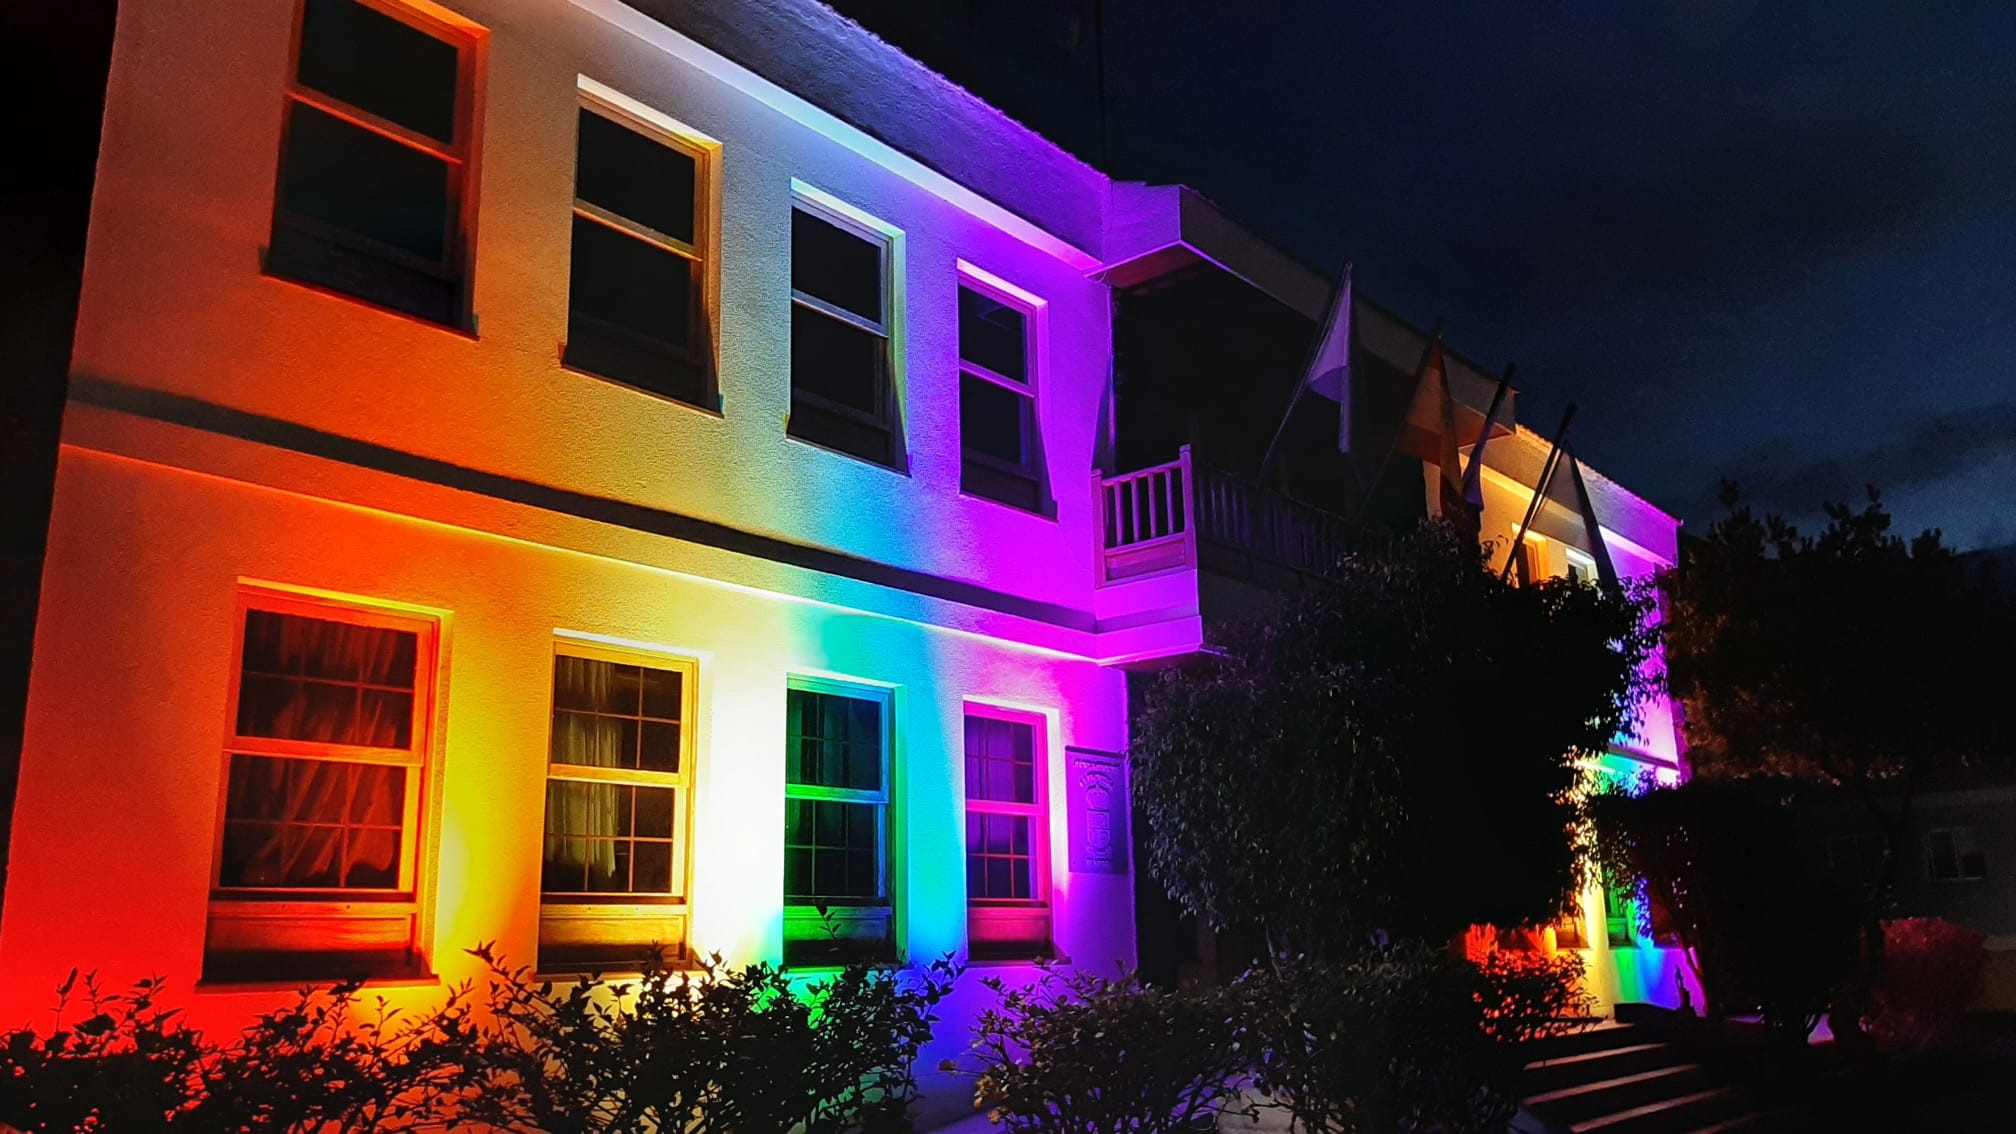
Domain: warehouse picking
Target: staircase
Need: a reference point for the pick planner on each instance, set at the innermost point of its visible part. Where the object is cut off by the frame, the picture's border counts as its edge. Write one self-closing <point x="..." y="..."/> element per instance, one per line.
<point x="1621" y="1079"/>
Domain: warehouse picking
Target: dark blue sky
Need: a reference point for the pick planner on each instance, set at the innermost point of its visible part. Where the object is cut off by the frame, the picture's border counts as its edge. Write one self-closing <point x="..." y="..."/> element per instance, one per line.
<point x="1774" y="242"/>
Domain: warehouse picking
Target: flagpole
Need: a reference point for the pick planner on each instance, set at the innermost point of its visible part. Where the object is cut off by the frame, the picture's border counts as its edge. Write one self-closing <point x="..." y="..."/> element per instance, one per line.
<point x="1393" y="446"/>
<point x="1340" y="294"/>
<point x="1539" y="491"/>
<point x="1472" y="469"/>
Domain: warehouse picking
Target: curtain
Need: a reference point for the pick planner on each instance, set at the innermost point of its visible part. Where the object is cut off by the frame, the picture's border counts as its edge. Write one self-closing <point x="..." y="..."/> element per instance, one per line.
<point x="584" y="820"/>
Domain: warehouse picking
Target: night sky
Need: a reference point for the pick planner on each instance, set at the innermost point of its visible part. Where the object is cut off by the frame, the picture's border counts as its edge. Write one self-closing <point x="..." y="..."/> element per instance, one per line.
<point x="1776" y="245"/>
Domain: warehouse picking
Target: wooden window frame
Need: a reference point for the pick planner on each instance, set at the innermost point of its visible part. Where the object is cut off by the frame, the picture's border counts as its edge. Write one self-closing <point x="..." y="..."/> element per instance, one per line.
<point x="453" y="269"/>
<point x="288" y="932"/>
<point x="579" y="931"/>
<point x="856" y="919"/>
<point x="701" y="252"/>
<point x="1962" y="837"/>
<point x="888" y="420"/>
<point x="1017" y="929"/>
<point x="1034" y="466"/>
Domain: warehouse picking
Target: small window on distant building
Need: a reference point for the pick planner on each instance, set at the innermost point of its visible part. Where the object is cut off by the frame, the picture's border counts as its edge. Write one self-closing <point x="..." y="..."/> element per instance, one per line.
<point x="837" y="897"/>
<point x="635" y="312"/>
<point x="316" y="862"/>
<point x="1000" y="450"/>
<point x="619" y="798"/>
<point x="1007" y="835"/>
<point x="374" y="158"/>
<point x="1954" y="856"/>
<point x="840" y="336"/>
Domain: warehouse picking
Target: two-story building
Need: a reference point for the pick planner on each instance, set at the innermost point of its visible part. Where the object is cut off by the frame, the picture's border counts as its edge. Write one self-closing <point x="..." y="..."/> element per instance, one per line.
<point x="595" y="476"/>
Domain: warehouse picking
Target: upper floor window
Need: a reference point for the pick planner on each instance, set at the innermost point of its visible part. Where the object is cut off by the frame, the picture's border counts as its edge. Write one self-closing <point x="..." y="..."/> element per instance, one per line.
<point x="1581" y="567"/>
<point x="315" y="866"/>
<point x="619" y="780"/>
<point x="374" y="158"/>
<point x="1954" y="855"/>
<point x="1000" y="451"/>
<point x="837" y="893"/>
<point x="1007" y="835"/>
<point x="635" y="309"/>
<point x="841" y="390"/>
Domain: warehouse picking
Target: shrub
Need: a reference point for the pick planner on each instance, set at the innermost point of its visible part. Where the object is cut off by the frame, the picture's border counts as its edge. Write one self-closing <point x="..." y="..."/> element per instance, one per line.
<point x="1525" y="996"/>
<point x="1074" y="1053"/>
<point x="1931" y="970"/>
<point x="711" y="1051"/>
<point x="128" y="1064"/>
<point x="1389" y="1041"/>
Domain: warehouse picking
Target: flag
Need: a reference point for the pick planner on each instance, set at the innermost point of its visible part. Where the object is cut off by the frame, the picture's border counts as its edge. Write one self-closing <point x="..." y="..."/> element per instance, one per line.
<point x="1605" y="570"/>
<point x="1429" y="434"/>
<point x="1330" y="367"/>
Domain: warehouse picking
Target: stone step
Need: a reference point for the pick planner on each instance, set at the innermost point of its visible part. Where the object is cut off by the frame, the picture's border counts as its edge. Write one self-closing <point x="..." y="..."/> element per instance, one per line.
<point x="1592" y="1100"/>
<point x="1544" y="1075"/>
<point x="1598" y="1037"/>
<point x="1677" y="1114"/>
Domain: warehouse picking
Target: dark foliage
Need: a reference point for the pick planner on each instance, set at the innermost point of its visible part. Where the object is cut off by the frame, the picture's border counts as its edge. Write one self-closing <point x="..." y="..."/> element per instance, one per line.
<point x="1931" y="973"/>
<point x="1414" y="721"/>
<point x="1766" y="927"/>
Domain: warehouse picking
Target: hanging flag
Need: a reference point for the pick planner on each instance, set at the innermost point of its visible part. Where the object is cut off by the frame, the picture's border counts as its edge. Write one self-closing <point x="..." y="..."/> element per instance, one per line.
<point x="1473" y="473"/>
<point x="1330" y="367"/>
<point x="1605" y="570"/>
<point x="1328" y="372"/>
<point x="1429" y="434"/>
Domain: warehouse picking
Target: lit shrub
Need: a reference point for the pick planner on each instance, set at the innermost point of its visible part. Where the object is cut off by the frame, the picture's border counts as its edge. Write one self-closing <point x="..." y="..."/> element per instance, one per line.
<point x="1523" y="996"/>
<point x="1930" y="972"/>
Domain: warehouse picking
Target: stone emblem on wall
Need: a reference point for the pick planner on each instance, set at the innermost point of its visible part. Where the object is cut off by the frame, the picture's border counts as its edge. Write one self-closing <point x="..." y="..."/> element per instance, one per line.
<point x="1096" y="808"/>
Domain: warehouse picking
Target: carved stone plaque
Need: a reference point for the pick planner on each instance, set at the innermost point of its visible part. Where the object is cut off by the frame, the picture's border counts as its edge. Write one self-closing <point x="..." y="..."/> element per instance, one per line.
<point x="1097" y="810"/>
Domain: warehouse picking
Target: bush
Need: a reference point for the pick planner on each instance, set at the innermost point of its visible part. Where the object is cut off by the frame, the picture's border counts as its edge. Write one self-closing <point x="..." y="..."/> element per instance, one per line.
<point x="717" y="1050"/>
<point x="1073" y="1053"/>
<point x="1525" y="996"/>
<point x="1387" y="1042"/>
<point x="1930" y="972"/>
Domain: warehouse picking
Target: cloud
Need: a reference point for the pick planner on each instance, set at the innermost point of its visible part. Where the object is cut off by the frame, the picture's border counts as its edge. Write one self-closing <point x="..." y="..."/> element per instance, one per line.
<point x="1935" y="449"/>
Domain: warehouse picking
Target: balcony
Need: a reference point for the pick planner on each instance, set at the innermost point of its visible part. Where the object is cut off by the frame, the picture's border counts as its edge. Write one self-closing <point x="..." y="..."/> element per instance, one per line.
<point x="1181" y="541"/>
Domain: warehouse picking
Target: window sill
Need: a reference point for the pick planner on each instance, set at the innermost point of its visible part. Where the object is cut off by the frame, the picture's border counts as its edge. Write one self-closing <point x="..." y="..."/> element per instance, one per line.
<point x="1047" y="511"/>
<point x="571" y="366"/>
<point x="459" y="330"/>
<point x="901" y="469"/>
<point x="218" y="986"/>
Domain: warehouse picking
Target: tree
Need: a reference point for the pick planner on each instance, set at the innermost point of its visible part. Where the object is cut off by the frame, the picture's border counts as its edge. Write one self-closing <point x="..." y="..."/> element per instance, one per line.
<point x="1391" y="753"/>
<point x="1852" y="658"/>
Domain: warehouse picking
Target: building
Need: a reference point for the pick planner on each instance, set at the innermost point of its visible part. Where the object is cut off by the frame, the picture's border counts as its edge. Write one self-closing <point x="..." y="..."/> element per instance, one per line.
<point x="629" y="475"/>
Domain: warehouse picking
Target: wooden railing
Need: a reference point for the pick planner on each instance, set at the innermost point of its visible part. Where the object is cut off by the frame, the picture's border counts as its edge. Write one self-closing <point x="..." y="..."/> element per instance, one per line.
<point x="1151" y="520"/>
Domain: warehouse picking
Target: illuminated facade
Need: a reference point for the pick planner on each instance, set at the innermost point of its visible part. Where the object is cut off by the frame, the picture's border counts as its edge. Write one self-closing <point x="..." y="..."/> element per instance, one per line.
<point x="627" y="475"/>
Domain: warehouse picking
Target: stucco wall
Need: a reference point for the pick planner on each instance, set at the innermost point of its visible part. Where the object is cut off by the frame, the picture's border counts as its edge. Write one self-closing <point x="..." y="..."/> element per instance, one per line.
<point x="113" y="832"/>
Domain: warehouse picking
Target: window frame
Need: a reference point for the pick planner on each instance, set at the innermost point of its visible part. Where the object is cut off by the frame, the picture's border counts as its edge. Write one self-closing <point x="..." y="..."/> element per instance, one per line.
<point x="1581" y="565"/>
<point x="849" y="913"/>
<point x="1963" y="840"/>
<point x="1012" y="928"/>
<point x="888" y="382"/>
<point x="604" y="916"/>
<point x="1034" y="311"/>
<point x="282" y="909"/>
<point x="703" y="253"/>
<point x="453" y="269"/>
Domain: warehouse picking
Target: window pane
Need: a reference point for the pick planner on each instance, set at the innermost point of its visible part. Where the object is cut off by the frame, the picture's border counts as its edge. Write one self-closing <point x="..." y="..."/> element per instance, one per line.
<point x="364" y="183"/>
<point x="1000" y="760"/>
<point x="993" y="334"/>
<point x="993" y="420"/>
<point x="832" y="740"/>
<point x="377" y="63"/>
<point x="663" y="690"/>
<point x="833" y="849"/>
<point x="312" y="824"/>
<point x="635" y="176"/>
<point x="835" y="265"/>
<point x="631" y="284"/>
<point x="325" y="681"/>
<point x="837" y="361"/>
<point x="660" y="748"/>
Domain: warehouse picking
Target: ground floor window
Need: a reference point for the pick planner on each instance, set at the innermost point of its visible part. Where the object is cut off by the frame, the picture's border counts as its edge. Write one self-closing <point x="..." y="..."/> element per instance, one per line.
<point x="314" y="872"/>
<point x="619" y="783"/>
<point x="1007" y="835"/>
<point x="838" y="903"/>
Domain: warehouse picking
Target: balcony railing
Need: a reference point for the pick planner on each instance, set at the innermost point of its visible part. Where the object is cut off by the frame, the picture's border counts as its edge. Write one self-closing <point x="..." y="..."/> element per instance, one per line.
<point x="1154" y="520"/>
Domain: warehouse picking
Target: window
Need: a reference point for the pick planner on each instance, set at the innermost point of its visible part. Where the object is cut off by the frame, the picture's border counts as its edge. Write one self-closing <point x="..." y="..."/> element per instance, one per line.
<point x="836" y="824"/>
<point x="840" y="350"/>
<point x="315" y="872"/>
<point x="1007" y="839"/>
<point x="374" y="158"/>
<point x="635" y="312"/>
<point x="1620" y="910"/>
<point x="1529" y="564"/>
<point x="619" y="781"/>
<point x="1954" y="856"/>
<point x="1581" y="568"/>
<point x="998" y="442"/>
